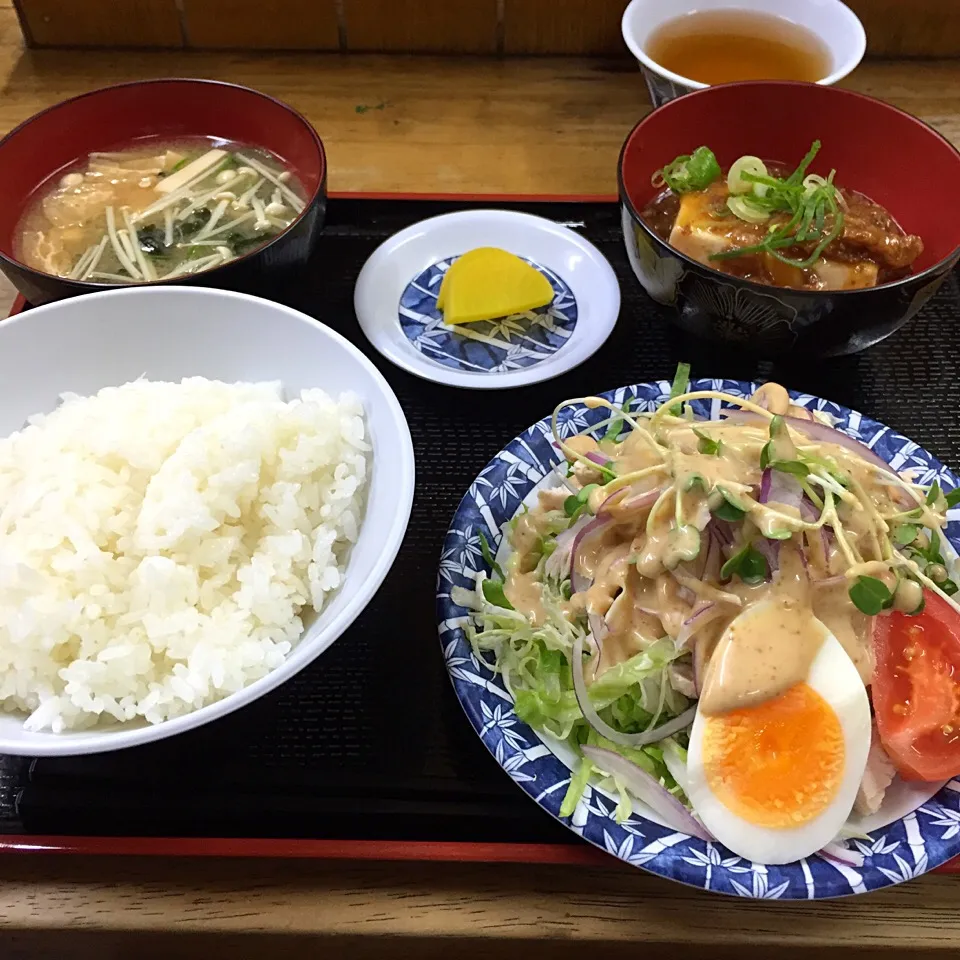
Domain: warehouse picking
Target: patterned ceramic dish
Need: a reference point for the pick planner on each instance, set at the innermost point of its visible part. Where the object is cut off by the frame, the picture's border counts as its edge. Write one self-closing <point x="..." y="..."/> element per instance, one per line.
<point x="913" y="831"/>
<point x="834" y="22"/>
<point x="396" y="302"/>
<point x="868" y="142"/>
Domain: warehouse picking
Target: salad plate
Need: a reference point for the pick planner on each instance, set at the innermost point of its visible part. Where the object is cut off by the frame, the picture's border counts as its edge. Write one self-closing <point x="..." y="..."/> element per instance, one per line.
<point x="918" y="825"/>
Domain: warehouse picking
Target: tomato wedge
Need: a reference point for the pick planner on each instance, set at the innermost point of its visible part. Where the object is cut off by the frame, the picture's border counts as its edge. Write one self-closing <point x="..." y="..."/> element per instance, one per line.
<point x="916" y="689"/>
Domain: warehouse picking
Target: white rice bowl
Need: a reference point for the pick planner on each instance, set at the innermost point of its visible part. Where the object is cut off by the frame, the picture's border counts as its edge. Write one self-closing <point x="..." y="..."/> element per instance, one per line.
<point x="158" y="542"/>
<point x="99" y="340"/>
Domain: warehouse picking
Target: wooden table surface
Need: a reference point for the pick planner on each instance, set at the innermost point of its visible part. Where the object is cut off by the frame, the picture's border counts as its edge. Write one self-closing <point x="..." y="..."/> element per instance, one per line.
<point x="431" y="125"/>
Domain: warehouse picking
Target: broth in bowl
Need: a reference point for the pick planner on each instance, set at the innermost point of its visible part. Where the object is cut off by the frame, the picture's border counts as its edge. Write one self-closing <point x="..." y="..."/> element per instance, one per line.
<point x="722" y="46"/>
<point x="157" y="211"/>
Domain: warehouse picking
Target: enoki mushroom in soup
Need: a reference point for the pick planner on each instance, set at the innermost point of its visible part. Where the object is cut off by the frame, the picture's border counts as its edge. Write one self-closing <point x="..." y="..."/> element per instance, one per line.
<point x="157" y="211"/>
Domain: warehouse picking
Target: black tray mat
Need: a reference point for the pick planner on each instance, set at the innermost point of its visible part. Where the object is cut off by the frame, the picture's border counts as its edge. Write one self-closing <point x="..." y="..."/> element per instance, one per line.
<point x="369" y="742"/>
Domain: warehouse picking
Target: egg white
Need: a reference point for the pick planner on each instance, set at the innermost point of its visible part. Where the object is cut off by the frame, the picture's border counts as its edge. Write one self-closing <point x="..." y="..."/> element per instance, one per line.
<point x="832" y="675"/>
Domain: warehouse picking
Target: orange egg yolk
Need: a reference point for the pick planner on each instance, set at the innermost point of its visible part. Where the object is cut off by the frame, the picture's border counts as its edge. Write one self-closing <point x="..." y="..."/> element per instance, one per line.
<point x="778" y="764"/>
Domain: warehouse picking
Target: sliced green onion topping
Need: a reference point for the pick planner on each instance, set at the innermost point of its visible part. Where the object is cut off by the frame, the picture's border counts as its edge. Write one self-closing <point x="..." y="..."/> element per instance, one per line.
<point x="686" y="174"/>
<point x="814" y="214"/>
<point x="737" y="184"/>
<point x="745" y="209"/>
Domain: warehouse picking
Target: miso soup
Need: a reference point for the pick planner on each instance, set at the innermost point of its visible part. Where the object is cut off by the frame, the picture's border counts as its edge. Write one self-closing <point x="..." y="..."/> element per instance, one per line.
<point x="157" y="211"/>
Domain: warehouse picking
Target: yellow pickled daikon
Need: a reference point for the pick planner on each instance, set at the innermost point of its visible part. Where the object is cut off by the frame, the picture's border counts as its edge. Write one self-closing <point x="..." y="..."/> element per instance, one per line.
<point x="488" y="283"/>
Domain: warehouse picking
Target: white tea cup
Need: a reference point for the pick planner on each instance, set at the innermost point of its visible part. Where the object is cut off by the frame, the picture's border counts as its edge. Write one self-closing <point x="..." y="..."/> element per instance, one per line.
<point x="833" y="22"/>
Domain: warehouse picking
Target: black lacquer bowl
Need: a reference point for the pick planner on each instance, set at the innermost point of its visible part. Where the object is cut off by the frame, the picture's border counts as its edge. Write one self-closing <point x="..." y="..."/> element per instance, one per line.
<point x="884" y="153"/>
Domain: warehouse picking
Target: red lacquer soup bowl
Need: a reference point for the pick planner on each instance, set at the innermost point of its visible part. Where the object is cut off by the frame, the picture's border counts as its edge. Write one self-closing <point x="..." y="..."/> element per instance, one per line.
<point x="44" y="146"/>
<point x="884" y="153"/>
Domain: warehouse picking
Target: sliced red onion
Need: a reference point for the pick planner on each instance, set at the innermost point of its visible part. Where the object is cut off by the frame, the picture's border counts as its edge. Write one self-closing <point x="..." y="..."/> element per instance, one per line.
<point x="644" y="498"/>
<point x="779" y="487"/>
<point x="604" y="729"/>
<point x="648" y="789"/>
<point x="771" y="552"/>
<point x="598" y="629"/>
<point x="557" y="564"/>
<point x="708" y="562"/>
<point x="597" y="457"/>
<point x="831" y="581"/>
<point x="839" y="852"/>
<point x="808" y="511"/>
<point x="703" y="613"/>
<point x="826" y="540"/>
<point x="686" y="595"/>
<point x="711" y="569"/>
<point x="815" y="430"/>
<point x="765" y="485"/>
<point x="578" y="582"/>
<point x="609" y="502"/>
<point x="722" y="531"/>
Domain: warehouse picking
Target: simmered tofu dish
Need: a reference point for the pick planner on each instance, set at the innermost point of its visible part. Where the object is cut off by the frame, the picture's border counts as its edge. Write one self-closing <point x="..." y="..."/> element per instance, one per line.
<point x="770" y="224"/>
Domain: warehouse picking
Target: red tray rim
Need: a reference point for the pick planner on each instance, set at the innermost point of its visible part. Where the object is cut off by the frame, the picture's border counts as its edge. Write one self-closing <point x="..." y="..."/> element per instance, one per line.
<point x="479" y="197"/>
<point x="573" y="854"/>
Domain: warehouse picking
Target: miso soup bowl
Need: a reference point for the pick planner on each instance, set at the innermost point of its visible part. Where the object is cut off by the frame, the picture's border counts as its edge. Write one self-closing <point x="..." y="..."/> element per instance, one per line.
<point x="872" y="146"/>
<point x="42" y="147"/>
<point x="833" y="22"/>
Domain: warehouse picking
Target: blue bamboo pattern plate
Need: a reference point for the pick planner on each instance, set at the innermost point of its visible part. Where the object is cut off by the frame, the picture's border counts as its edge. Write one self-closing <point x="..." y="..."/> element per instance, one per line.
<point x="902" y="850"/>
<point x="495" y="346"/>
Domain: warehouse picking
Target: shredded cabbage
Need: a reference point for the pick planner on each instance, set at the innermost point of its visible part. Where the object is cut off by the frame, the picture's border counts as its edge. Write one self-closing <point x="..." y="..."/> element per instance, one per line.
<point x="534" y="664"/>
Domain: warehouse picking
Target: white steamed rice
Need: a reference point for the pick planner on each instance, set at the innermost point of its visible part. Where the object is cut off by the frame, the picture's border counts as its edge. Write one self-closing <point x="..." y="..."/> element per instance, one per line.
<point x="158" y="542"/>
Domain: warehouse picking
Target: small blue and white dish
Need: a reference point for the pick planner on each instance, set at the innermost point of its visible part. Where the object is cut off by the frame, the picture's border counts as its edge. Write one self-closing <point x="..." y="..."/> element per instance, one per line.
<point x="396" y="302"/>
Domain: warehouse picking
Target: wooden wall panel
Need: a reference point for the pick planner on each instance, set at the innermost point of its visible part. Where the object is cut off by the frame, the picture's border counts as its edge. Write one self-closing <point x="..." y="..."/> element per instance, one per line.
<point x="895" y="28"/>
<point x="259" y="24"/>
<point x="100" y="23"/>
<point x="587" y="27"/>
<point x="910" y="28"/>
<point x="428" y="26"/>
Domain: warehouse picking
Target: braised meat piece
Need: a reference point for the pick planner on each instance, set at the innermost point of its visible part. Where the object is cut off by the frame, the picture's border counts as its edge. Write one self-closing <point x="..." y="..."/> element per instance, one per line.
<point x="867" y="227"/>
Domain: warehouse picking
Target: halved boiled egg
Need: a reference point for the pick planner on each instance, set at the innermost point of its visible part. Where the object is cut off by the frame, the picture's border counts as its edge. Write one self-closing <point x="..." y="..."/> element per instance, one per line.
<point x="776" y="781"/>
